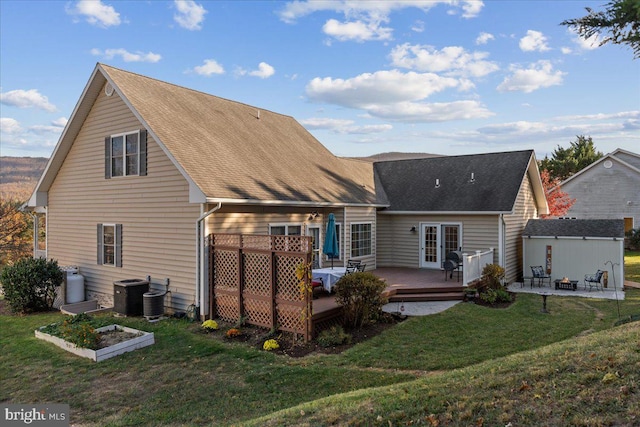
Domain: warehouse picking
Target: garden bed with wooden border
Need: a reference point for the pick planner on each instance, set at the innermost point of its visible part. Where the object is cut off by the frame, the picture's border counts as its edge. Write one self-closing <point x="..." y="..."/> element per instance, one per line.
<point x="142" y="339"/>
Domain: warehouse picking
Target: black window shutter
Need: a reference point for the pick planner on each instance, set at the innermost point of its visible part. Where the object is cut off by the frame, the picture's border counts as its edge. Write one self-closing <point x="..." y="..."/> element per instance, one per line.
<point x="107" y="157"/>
<point x="118" y="249"/>
<point x="143" y="152"/>
<point x="99" y="252"/>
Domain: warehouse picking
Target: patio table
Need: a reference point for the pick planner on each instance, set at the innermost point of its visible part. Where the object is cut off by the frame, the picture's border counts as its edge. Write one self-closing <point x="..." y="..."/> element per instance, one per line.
<point x="329" y="276"/>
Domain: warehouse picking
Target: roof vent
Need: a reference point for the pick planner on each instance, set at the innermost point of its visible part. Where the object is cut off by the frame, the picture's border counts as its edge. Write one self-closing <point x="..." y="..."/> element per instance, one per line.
<point x="437" y="183"/>
<point x="108" y="89"/>
<point x="473" y="177"/>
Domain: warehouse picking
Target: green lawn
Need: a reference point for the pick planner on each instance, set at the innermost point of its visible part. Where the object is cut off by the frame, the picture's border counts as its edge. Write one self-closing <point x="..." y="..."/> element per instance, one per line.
<point x="632" y="266"/>
<point x="188" y="378"/>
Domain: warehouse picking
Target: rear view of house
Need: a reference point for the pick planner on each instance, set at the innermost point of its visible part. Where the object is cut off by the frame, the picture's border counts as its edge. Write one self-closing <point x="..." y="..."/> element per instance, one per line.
<point x="145" y="170"/>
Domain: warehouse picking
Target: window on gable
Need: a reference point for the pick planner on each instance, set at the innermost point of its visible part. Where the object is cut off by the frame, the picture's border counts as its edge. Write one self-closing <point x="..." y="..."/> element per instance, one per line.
<point x="360" y="240"/>
<point x="126" y="154"/>
<point x="109" y="248"/>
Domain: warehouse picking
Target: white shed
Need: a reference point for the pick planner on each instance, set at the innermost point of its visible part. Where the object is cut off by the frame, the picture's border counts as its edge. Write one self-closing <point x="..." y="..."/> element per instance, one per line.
<point x="573" y="248"/>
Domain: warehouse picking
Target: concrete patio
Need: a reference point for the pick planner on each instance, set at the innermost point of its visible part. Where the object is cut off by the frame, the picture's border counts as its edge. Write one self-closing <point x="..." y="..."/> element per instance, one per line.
<point x="581" y="291"/>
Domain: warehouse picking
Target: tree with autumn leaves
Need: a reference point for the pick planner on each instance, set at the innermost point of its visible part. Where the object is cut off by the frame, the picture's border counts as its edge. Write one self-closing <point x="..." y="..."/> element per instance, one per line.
<point x="559" y="202"/>
<point x="15" y="232"/>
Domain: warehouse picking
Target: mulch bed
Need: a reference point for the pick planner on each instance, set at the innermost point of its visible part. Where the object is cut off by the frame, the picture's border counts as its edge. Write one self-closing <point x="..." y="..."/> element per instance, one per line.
<point x="296" y="347"/>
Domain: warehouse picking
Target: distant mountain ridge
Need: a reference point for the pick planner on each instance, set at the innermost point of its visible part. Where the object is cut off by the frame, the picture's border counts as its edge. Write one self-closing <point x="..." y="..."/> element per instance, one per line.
<point x="396" y="155"/>
<point x="19" y="176"/>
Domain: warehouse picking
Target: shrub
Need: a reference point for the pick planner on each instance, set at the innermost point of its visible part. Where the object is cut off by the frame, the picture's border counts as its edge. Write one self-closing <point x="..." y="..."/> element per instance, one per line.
<point x="360" y="295"/>
<point x="497" y="295"/>
<point x="210" y="325"/>
<point x="233" y="333"/>
<point x="333" y="336"/>
<point x="30" y="284"/>
<point x="633" y="239"/>
<point x="270" y="345"/>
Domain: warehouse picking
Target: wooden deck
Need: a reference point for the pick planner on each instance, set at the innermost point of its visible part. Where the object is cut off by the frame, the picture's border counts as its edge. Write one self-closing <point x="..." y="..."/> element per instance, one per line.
<point x="403" y="284"/>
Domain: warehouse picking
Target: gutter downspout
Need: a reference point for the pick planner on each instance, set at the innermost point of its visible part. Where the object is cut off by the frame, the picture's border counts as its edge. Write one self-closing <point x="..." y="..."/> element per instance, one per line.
<point x="501" y="241"/>
<point x="199" y="256"/>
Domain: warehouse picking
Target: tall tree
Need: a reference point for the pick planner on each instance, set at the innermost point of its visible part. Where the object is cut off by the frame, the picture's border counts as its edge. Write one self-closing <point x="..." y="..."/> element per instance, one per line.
<point x="567" y="161"/>
<point x="15" y="232"/>
<point x="618" y="23"/>
<point x="559" y="202"/>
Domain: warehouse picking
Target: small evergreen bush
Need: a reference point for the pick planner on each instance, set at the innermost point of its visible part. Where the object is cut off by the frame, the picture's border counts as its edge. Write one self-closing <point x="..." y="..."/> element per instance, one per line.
<point x="30" y="284"/>
<point x="335" y="335"/>
<point x="360" y="295"/>
<point x="633" y="239"/>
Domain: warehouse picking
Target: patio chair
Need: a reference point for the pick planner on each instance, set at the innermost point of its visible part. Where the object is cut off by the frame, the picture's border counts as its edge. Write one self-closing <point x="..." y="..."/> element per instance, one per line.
<point x="594" y="280"/>
<point x="539" y="275"/>
<point x="352" y="266"/>
<point x="361" y="267"/>
<point x="315" y="284"/>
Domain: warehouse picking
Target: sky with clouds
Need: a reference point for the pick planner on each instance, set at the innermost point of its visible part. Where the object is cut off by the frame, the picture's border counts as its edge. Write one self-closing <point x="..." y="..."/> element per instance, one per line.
<point x="364" y="77"/>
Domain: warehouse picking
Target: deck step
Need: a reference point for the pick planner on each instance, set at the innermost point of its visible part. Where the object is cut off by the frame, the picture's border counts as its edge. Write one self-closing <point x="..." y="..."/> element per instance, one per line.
<point x="426" y="289"/>
<point x="425" y="297"/>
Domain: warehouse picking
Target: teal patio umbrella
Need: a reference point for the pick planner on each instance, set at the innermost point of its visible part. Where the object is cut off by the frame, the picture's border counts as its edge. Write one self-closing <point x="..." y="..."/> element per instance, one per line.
<point x="330" y="247"/>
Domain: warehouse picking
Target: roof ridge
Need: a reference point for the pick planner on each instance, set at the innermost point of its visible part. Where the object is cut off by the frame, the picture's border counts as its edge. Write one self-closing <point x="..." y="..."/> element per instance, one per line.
<point x="103" y="65"/>
<point x="441" y="157"/>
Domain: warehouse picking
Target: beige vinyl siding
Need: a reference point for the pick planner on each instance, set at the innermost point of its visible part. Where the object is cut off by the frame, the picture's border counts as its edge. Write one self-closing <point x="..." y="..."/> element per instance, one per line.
<point x="400" y="247"/>
<point x="256" y="220"/>
<point x="158" y="221"/>
<point x="524" y="209"/>
<point x="361" y="215"/>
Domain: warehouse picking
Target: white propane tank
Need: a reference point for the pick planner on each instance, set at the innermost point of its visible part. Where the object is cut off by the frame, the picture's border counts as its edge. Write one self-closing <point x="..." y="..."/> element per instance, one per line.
<point x="75" y="285"/>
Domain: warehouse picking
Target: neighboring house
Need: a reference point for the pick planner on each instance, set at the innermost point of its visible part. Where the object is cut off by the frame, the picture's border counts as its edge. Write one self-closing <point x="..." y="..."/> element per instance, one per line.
<point x="607" y="189"/>
<point x="144" y="170"/>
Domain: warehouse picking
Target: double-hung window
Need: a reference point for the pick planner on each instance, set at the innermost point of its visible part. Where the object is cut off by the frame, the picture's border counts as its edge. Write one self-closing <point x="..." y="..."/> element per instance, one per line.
<point x="360" y="239"/>
<point x="109" y="248"/>
<point x="126" y="154"/>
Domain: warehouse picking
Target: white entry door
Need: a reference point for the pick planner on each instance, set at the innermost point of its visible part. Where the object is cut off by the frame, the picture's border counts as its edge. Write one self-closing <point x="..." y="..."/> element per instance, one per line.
<point x="430" y="245"/>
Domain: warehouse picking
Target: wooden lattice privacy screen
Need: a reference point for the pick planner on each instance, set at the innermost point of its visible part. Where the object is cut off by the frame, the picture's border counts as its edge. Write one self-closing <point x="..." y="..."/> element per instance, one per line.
<point x="254" y="277"/>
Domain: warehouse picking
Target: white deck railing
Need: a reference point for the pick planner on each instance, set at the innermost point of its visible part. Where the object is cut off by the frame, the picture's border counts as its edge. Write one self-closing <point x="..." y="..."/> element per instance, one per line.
<point x="472" y="265"/>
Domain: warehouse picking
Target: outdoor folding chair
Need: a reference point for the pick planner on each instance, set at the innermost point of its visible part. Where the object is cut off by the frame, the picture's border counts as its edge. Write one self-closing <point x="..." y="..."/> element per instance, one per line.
<point x="594" y="280"/>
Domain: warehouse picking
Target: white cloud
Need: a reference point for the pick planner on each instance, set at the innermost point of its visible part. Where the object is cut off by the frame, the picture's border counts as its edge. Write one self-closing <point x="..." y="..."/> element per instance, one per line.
<point x="343" y="126"/>
<point x="264" y="71"/>
<point x="357" y="30"/>
<point x="590" y="43"/>
<point x="452" y="59"/>
<point x="27" y="99"/>
<point x="416" y="112"/>
<point x="127" y="56"/>
<point x="95" y="12"/>
<point x="209" y="68"/>
<point x="364" y="19"/>
<point x="9" y="125"/>
<point x="534" y="41"/>
<point x="566" y="50"/>
<point x="418" y="27"/>
<point x="381" y="87"/>
<point x="537" y="76"/>
<point x="61" y="122"/>
<point x="190" y="14"/>
<point x="484" y="38"/>
<point x="394" y="95"/>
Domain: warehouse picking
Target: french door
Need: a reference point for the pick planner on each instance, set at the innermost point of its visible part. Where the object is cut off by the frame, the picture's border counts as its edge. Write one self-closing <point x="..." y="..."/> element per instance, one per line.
<point x="436" y="241"/>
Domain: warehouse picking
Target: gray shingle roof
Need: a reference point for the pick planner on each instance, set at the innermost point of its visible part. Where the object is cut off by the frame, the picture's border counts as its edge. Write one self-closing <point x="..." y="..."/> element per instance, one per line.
<point x="575" y="228"/>
<point x="410" y="185"/>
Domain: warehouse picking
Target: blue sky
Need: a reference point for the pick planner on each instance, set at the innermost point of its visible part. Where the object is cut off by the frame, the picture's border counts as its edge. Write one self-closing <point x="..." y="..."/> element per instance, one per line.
<point x="364" y="77"/>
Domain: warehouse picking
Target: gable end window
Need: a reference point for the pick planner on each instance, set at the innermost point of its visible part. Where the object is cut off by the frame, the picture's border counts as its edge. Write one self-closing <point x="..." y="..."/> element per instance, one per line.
<point x="360" y="240"/>
<point x="109" y="248"/>
<point x="125" y="154"/>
